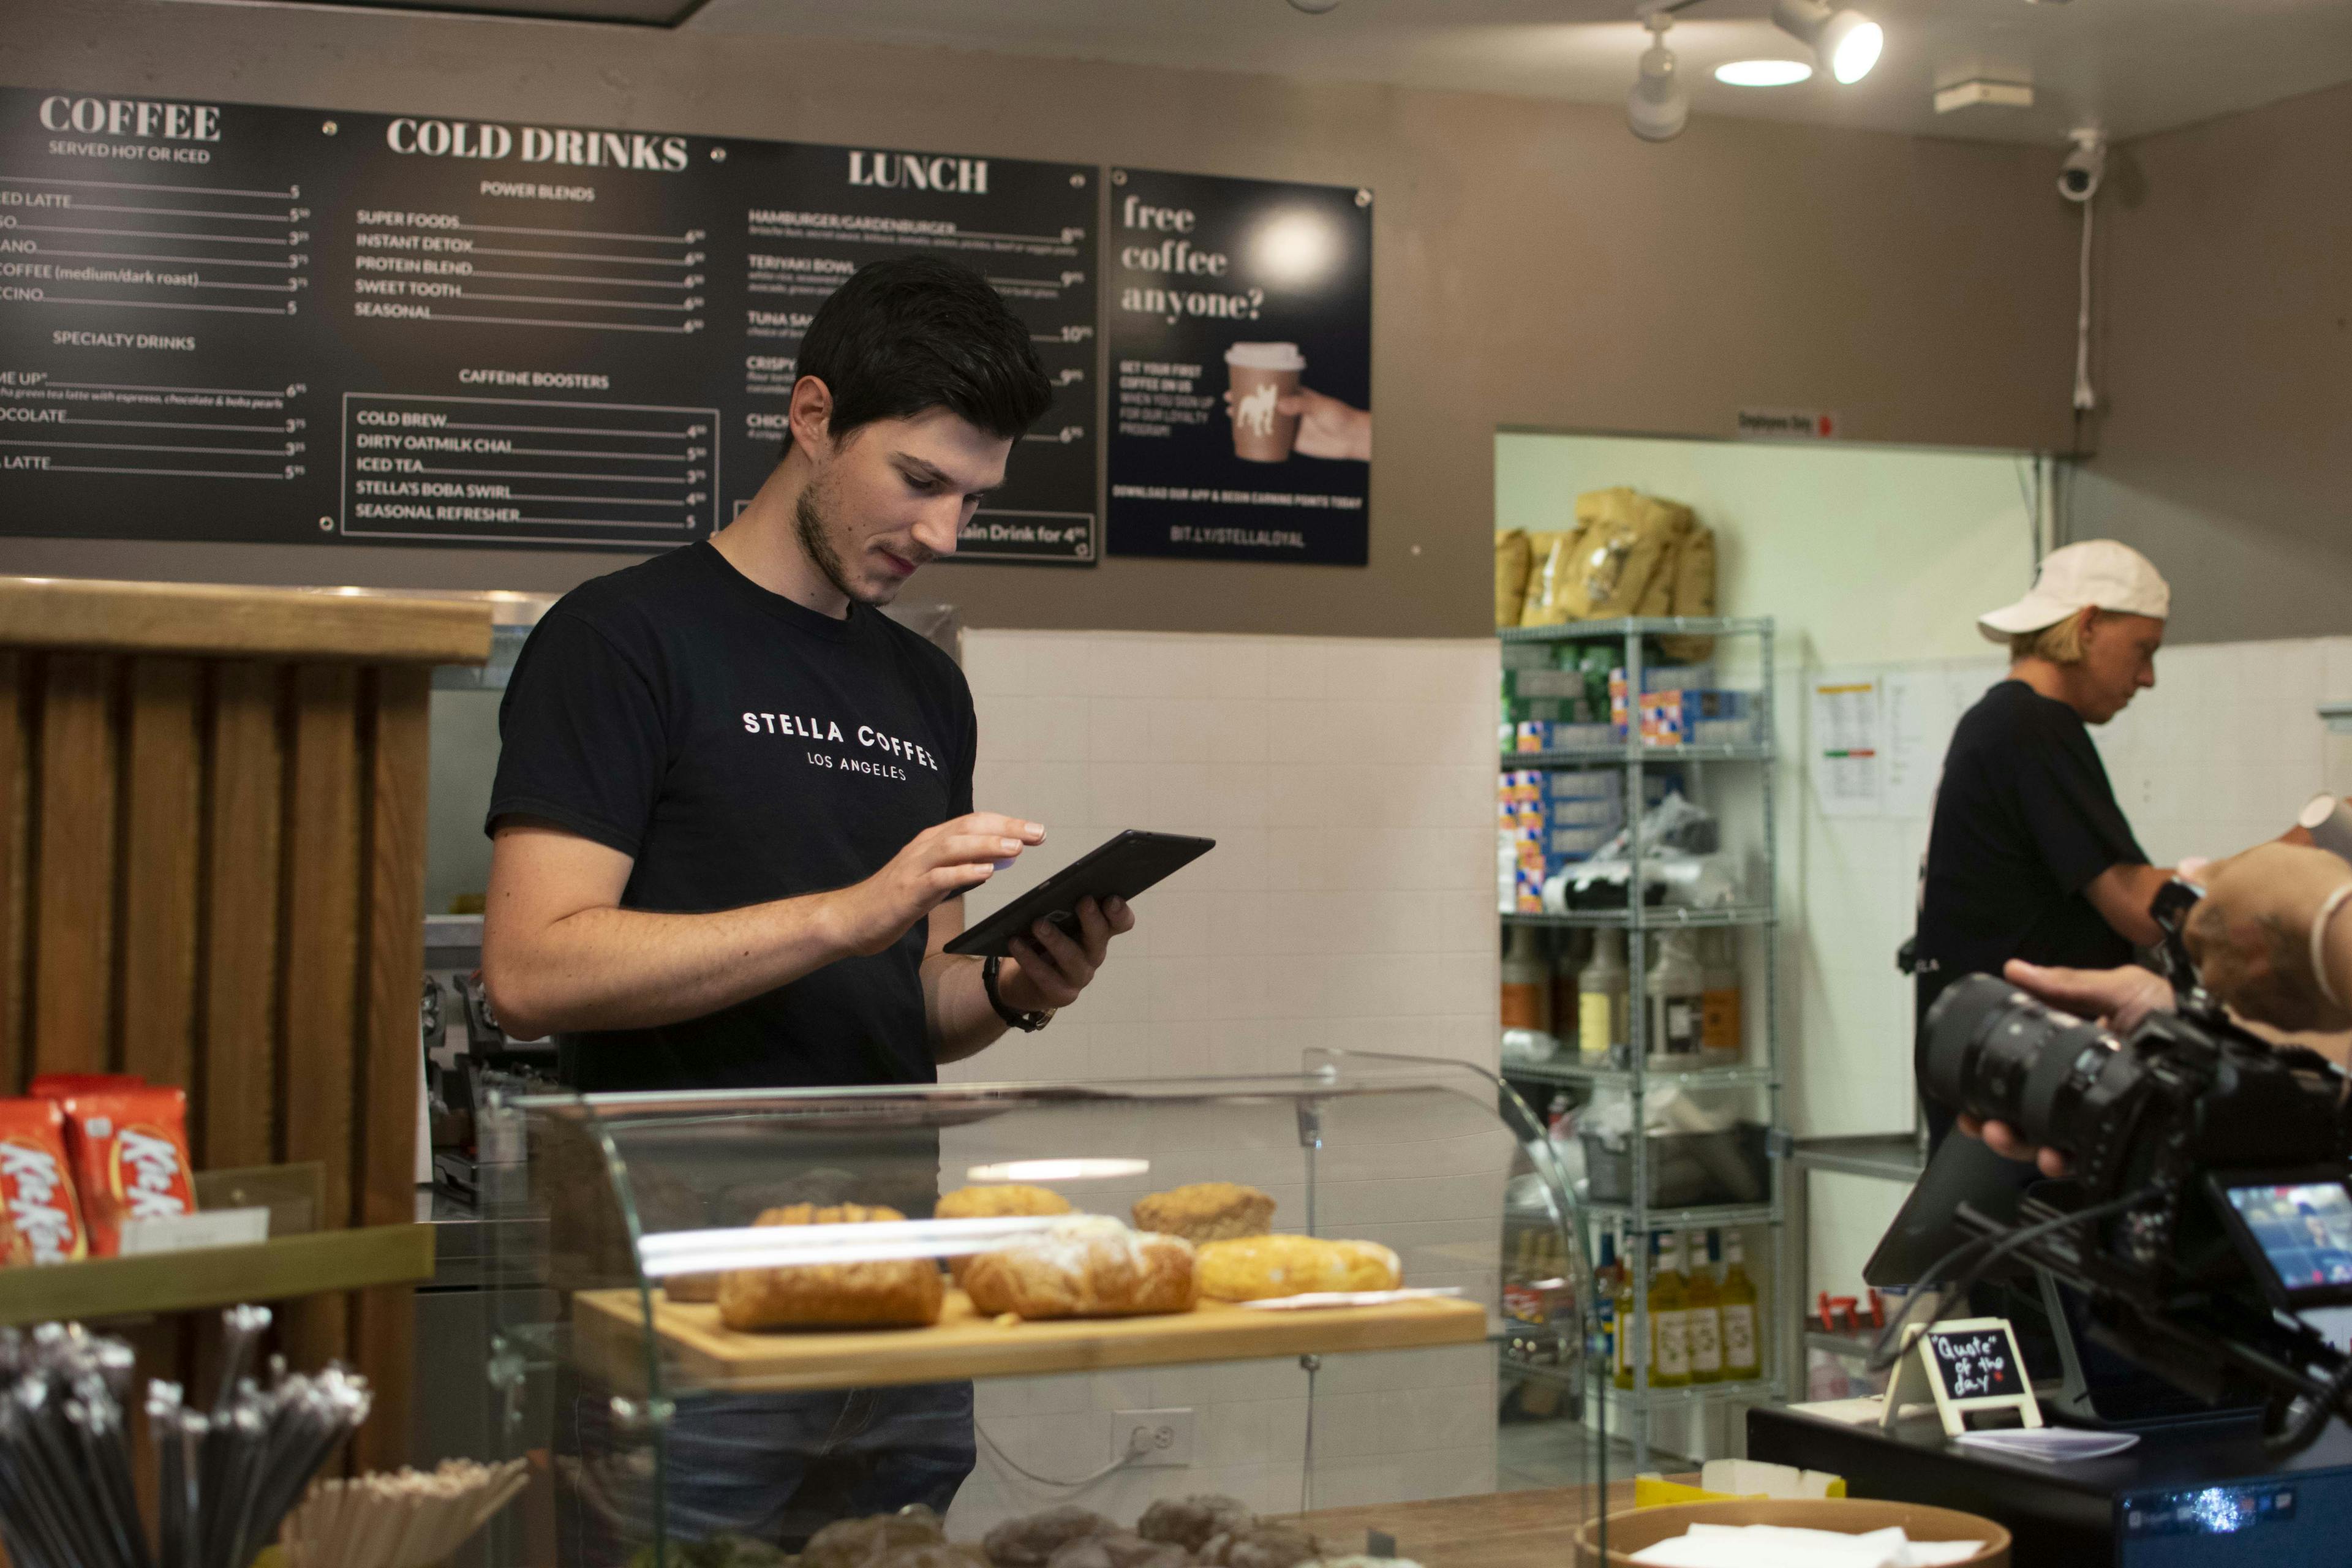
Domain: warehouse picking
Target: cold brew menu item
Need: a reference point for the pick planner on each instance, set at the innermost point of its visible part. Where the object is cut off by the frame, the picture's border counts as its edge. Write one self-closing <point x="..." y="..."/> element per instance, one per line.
<point x="1240" y="345"/>
<point x="157" y="342"/>
<point x="814" y="214"/>
<point x="223" y="322"/>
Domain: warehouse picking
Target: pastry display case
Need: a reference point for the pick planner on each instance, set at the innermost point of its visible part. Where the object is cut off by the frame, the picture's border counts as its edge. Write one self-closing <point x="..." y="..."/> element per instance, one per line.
<point x="869" y="1322"/>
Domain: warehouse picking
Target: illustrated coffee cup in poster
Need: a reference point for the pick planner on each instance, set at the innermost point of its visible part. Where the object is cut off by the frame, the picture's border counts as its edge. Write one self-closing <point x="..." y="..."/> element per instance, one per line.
<point x="1263" y="376"/>
<point x="1239" y="326"/>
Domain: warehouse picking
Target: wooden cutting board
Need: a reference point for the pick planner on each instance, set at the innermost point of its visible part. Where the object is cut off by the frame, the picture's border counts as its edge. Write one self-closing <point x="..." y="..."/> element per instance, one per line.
<point x="702" y="1353"/>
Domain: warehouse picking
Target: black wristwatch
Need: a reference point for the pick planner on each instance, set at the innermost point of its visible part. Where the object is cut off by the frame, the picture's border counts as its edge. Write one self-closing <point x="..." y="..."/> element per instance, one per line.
<point x="1027" y="1023"/>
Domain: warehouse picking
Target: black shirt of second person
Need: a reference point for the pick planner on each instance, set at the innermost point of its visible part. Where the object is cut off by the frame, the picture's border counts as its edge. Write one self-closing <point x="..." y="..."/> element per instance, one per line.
<point x="741" y="748"/>
<point x="2025" y="819"/>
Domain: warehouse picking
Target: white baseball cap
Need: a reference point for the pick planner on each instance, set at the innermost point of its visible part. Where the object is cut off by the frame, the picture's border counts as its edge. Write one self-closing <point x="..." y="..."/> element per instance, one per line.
<point x="2097" y="574"/>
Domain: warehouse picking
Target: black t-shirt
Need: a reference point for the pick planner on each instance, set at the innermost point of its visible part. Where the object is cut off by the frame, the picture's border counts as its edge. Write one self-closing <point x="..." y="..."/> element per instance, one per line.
<point x="741" y="748"/>
<point x="2025" y="820"/>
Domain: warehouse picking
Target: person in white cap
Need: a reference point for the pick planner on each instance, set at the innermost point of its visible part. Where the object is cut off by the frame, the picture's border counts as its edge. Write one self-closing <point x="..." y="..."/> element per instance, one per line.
<point x="2030" y="857"/>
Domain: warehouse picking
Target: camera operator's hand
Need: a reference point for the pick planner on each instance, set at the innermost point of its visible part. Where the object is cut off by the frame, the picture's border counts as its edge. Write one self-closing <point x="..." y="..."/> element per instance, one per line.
<point x="2120" y="998"/>
<point x="2250" y="933"/>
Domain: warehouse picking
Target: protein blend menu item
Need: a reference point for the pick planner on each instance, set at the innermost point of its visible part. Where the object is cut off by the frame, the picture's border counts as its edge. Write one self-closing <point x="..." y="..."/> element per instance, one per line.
<point x="130" y="1151"/>
<point x="40" y="1217"/>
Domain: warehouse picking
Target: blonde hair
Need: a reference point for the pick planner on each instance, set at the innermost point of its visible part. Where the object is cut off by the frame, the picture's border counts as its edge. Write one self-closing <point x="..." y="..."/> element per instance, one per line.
<point x="2060" y="642"/>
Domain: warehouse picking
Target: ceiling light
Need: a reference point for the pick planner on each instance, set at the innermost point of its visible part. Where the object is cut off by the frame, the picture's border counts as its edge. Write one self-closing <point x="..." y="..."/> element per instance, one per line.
<point x="1656" y="107"/>
<point x="1846" y="42"/>
<point x="1763" y="73"/>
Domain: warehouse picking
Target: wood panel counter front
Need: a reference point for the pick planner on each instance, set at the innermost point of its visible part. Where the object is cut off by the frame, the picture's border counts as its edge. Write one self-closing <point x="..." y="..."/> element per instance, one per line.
<point x="211" y="872"/>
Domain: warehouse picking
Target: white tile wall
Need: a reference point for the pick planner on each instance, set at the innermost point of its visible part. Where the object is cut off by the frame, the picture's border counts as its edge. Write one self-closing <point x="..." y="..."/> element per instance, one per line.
<point x="1350" y="903"/>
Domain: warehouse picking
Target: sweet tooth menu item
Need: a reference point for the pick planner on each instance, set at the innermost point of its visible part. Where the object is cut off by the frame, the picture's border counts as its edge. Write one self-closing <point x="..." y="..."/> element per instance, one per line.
<point x="129" y="1146"/>
<point x="40" y="1217"/>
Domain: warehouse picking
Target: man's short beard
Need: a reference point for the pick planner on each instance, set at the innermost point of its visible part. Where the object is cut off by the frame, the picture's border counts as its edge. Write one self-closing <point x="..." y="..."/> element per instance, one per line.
<point x="809" y="521"/>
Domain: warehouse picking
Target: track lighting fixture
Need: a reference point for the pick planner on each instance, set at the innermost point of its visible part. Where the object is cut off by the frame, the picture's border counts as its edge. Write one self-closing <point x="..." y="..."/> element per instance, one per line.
<point x="1846" y="42"/>
<point x="1656" y="106"/>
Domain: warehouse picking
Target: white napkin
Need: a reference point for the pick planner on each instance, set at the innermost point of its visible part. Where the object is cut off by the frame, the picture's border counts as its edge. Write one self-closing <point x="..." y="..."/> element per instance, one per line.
<point x="2051" y="1445"/>
<point x="1780" y="1546"/>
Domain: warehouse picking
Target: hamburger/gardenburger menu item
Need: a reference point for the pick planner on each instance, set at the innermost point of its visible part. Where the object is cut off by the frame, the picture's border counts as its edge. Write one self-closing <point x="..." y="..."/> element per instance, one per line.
<point x="40" y="1217"/>
<point x="874" y="1293"/>
<point x="128" y="1144"/>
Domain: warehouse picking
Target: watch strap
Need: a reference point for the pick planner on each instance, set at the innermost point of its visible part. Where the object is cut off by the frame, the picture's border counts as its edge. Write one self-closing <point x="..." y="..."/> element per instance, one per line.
<point x="1028" y="1023"/>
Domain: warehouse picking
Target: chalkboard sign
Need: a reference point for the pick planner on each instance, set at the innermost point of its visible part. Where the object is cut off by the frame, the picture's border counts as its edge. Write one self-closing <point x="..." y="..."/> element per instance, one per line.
<point x="1974" y="1363"/>
<point x="226" y="321"/>
<point x="1969" y="1365"/>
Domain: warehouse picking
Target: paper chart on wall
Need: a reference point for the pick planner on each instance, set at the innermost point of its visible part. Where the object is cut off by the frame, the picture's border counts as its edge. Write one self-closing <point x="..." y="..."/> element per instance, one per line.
<point x="1843" y="752"/>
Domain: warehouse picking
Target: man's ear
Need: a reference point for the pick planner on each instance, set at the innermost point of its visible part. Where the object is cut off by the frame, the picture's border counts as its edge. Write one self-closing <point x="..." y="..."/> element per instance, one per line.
<point x="811" y="414"/>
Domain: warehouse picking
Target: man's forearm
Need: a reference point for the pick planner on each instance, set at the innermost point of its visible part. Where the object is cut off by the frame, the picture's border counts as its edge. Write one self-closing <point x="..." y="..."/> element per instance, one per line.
<point x="956" y="1009"/>
<point x="634" y="968"/>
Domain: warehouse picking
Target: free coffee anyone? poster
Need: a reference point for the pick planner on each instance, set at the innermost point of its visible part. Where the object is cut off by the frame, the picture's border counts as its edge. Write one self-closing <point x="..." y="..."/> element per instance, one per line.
<point x="1239" y="348"/>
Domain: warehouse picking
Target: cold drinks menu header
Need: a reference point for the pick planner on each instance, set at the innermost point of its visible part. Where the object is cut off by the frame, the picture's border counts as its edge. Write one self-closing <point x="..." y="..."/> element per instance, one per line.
<point x="222" y="322"/>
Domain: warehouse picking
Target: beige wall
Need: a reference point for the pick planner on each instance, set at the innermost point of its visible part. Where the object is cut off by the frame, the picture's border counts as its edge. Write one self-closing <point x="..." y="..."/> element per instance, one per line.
<point x="1535" y="266"/>
<point x="2226" y="332"/>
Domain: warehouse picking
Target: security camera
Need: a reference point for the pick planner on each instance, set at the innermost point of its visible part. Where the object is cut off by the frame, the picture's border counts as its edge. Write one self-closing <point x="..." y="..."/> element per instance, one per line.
<point x="2078" y="177"/>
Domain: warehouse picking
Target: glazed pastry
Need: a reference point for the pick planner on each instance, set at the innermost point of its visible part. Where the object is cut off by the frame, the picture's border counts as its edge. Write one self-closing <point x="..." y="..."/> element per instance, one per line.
<point x="890" y="1291"/>
<point x="1086" y="1266"/>
<point x="1257" y="1267"/>
<point x="1190" y="1522"/>
<point x="1029" y="1540"/>
<point x="1119" y="1549"/>
<point x="991" y="1202"/>
<point x="1206" y="1211"/>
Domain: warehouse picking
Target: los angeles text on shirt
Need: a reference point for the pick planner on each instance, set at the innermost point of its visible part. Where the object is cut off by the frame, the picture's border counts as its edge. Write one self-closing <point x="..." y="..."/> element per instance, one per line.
<point x="809" y="729"/>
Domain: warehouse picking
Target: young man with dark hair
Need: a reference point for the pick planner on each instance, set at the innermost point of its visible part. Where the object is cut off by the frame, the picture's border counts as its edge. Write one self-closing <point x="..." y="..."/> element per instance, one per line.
<point x="732" y="829"/>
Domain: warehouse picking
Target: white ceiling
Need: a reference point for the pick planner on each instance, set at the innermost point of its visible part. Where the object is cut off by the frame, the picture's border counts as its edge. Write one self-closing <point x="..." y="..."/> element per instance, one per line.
<point x="2130" y="66"/>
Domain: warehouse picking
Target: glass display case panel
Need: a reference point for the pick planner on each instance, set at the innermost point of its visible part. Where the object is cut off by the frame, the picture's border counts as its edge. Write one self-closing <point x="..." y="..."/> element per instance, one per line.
<point x="702" y="1387"/>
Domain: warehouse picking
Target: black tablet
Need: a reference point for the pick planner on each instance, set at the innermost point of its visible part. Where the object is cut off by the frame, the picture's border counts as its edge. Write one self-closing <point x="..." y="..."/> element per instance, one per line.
<point x="1120" y="867"/>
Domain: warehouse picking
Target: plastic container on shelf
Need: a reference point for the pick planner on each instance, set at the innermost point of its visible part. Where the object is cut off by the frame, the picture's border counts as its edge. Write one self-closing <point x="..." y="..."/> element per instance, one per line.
<point x="1676" y="987"/>
<point x="1723" y="1041"/>
<point x="1527" y="998"/>
<point x="1603" y="994"/>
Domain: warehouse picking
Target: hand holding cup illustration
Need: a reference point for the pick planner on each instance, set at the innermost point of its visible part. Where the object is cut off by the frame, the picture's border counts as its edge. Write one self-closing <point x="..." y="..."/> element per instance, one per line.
<point x="1272" y="416"/>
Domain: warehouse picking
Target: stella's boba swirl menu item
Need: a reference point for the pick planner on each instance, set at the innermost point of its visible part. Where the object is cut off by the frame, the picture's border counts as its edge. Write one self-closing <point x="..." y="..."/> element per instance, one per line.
<point x="224" y="321"/>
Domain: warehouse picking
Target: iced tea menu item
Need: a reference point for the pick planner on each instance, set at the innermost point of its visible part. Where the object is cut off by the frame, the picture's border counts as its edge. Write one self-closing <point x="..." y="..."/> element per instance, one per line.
<point x="1262" y="375"/>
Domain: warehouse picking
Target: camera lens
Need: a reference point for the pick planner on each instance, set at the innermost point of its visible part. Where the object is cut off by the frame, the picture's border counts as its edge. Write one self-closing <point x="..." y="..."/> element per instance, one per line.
<point x="1993" y="1051"/>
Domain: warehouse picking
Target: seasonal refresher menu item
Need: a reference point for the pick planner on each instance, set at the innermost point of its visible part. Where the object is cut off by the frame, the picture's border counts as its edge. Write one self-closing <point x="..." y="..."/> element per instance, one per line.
<point x="230" y="322"/>
<point x="1240" y="341"/>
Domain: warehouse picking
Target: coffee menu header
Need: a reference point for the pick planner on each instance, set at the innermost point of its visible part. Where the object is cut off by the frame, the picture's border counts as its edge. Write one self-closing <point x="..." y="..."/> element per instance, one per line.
<point x="226" y="321"/>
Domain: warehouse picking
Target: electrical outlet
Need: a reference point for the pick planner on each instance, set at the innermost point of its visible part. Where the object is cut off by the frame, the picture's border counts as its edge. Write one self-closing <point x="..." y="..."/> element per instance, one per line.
<point x="1165" y="1436"/>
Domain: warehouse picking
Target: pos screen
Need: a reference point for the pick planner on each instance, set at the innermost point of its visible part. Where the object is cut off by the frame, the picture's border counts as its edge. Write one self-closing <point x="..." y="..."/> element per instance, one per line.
<point x="2300" y="1227"/>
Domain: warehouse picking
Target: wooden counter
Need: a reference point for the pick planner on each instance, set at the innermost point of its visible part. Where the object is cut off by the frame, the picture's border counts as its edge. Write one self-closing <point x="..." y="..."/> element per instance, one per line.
<point x="211" y="873"/>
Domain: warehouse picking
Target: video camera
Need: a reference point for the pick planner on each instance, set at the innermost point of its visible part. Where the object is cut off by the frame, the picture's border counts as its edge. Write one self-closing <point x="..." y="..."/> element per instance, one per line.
<point x="2208" y="1204"/>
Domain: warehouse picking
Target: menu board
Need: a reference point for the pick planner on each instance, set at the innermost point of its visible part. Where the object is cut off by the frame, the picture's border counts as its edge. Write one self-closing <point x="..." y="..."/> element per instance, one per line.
<point x="1240" y="342"/>
<point x="224" y="321"/>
